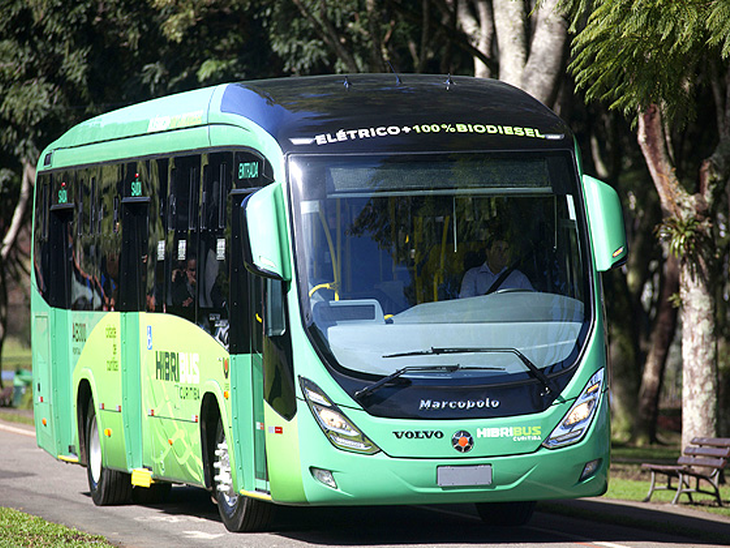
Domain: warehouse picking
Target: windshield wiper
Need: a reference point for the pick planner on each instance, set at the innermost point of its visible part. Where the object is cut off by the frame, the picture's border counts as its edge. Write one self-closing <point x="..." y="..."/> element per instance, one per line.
<point x="546" y="382"/>
<point x="385" y="380"/>
<point x="420" y="368"/>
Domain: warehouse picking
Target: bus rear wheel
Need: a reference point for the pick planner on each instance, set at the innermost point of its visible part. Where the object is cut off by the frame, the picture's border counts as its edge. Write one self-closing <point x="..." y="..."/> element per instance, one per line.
<point x="108" y="487"/>
<point x="238" y="513"/>
<point x="505" y="514"/>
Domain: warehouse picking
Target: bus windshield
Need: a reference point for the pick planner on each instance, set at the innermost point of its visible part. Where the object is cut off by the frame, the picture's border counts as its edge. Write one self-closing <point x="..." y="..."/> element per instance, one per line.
<point x="463" y="265"/>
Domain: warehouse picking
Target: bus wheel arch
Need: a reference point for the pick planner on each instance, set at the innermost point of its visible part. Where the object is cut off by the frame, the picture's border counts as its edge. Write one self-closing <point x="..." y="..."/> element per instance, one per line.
<point x="107" y="487"/>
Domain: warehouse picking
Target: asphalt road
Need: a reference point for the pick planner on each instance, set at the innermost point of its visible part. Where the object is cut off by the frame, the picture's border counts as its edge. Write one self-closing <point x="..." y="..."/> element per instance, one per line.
<point x="36" y="483"/>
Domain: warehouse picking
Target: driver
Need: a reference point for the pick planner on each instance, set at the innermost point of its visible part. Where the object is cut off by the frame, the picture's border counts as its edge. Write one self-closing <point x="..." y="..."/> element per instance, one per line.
<point x="497" y="272"/>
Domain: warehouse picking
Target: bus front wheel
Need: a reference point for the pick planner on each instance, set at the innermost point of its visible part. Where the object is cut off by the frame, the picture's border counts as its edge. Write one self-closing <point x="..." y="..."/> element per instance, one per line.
<point x="108" y="487"/>
<point x="505" y="514"/>
<point x="238" y="513"/>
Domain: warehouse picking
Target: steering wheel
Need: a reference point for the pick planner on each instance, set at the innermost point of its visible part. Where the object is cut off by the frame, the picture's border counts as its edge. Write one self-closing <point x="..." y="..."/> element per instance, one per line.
<point x="509" y="290"/>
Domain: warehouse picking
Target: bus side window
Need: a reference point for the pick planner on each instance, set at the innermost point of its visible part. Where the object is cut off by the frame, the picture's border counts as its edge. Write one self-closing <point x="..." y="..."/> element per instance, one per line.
<point x="241" y="296"/>
<point x="274" y="318"/>
<point x="184" y="192"/>
<point x="61" y="240"/>
<point x="157" y="256"/>
<point x="41" y="250"/>
<point x="256" y="289"/>
<point x="86" y="261"/>
<point x="110" y="241"/>
<point x="135" y="237"/>
<point x="213" y="254"/>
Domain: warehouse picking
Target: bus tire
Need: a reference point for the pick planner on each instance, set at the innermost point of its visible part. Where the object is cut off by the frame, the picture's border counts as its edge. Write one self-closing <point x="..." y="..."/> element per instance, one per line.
<point x="505" y="514"/>
<point x="238" y="513"/>
<point x="108" y="487"/>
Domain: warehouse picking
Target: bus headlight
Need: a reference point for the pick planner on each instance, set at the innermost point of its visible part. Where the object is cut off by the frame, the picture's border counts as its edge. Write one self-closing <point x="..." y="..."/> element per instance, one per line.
<point x="341" y="432"/>
<point x="576" y="422"/>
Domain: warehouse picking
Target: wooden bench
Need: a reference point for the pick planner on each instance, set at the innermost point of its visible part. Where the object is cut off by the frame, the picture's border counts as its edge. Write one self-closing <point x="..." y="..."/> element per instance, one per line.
<point x="704" y="460"/>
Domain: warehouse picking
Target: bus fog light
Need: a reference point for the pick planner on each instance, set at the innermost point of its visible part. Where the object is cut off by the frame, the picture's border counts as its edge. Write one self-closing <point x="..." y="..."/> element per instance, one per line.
<point x="590" y="469"/>
<point x="324" y="476"/>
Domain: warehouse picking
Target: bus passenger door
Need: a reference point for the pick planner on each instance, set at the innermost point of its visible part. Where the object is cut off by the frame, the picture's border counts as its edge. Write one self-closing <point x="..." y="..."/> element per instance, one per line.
<point x="132" y="285"/>
<point x="256" y="314"/>
<point x="246" y="347"/>
<point x="52" y="373"/>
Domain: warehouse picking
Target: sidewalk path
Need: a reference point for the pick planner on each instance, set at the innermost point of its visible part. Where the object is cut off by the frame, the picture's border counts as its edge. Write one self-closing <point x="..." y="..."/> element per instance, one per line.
<point x="662" y="517"/>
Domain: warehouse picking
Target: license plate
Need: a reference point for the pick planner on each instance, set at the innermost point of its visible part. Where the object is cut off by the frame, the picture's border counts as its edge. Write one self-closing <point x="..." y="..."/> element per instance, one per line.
<point x="464" y="476"/>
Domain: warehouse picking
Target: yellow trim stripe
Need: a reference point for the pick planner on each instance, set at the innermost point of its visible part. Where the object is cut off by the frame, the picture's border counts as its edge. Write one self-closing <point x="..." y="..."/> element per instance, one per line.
<point x="255" y="495"/>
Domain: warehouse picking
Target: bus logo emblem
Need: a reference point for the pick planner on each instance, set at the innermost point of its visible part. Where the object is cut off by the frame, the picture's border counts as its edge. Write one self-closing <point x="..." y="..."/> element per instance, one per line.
<point x="462" y="441"/>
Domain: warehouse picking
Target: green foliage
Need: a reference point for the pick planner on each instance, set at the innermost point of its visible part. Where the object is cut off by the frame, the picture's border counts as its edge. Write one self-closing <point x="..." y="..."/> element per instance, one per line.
<point x="312" y="36"/>
<point x="206" y="43"/>
<point x="718" y="24"/>
<point x="634" y="53"/>
<point x="685" y="237"/>
<point x="296" y="42"/>
<point x="62" y="61"/>
<point x="38" y="63"/>
<point x="20" y="530"/>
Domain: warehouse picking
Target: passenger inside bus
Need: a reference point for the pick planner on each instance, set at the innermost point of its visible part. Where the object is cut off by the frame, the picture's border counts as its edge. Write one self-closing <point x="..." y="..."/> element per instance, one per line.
<point x="183" y="284"/>
<point x="498" y="271"/>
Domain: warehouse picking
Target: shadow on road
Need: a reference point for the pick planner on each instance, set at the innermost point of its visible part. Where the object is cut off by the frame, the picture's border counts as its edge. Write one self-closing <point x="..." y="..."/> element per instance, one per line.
<point x="581" y="520"/>
<point x="643" y="519"/>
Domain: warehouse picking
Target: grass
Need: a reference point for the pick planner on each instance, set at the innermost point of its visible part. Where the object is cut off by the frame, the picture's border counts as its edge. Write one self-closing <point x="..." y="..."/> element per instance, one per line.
<point x="15" y="355"/>
<point x="625" y="489"/>
<point x="18" y="418"/>
<point x="621" y="453"/>
<point x="20" y="530"/>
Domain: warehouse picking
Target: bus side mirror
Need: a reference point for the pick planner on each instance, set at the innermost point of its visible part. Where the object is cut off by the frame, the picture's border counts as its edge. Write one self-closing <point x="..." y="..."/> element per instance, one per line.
<point x="606" y="224"/>
<point x="265" y="251"/>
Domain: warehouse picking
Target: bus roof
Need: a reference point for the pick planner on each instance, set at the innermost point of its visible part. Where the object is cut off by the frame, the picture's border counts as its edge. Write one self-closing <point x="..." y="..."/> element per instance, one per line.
<point x="349" y="114"/>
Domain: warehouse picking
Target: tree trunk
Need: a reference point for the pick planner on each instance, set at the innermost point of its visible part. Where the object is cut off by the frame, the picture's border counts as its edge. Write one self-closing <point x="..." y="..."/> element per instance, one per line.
<point x="656" y="361"/>
<point x="479" y="29"/>
<point x="544" y="68"/>
<point x="510" y="20"/>
<point x="531" y="43"/>
<point x="699" y="350"/>
<point x="699" y="353"/>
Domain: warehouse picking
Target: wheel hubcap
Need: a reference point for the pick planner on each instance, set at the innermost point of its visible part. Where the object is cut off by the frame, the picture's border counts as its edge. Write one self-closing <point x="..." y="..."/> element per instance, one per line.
<point x="94" y="452"/>
<point x="224" y="478"/>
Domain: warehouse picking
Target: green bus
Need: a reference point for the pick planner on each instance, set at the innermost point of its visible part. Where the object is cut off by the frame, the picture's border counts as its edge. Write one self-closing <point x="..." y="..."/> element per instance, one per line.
<point x="362" y="290"/>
